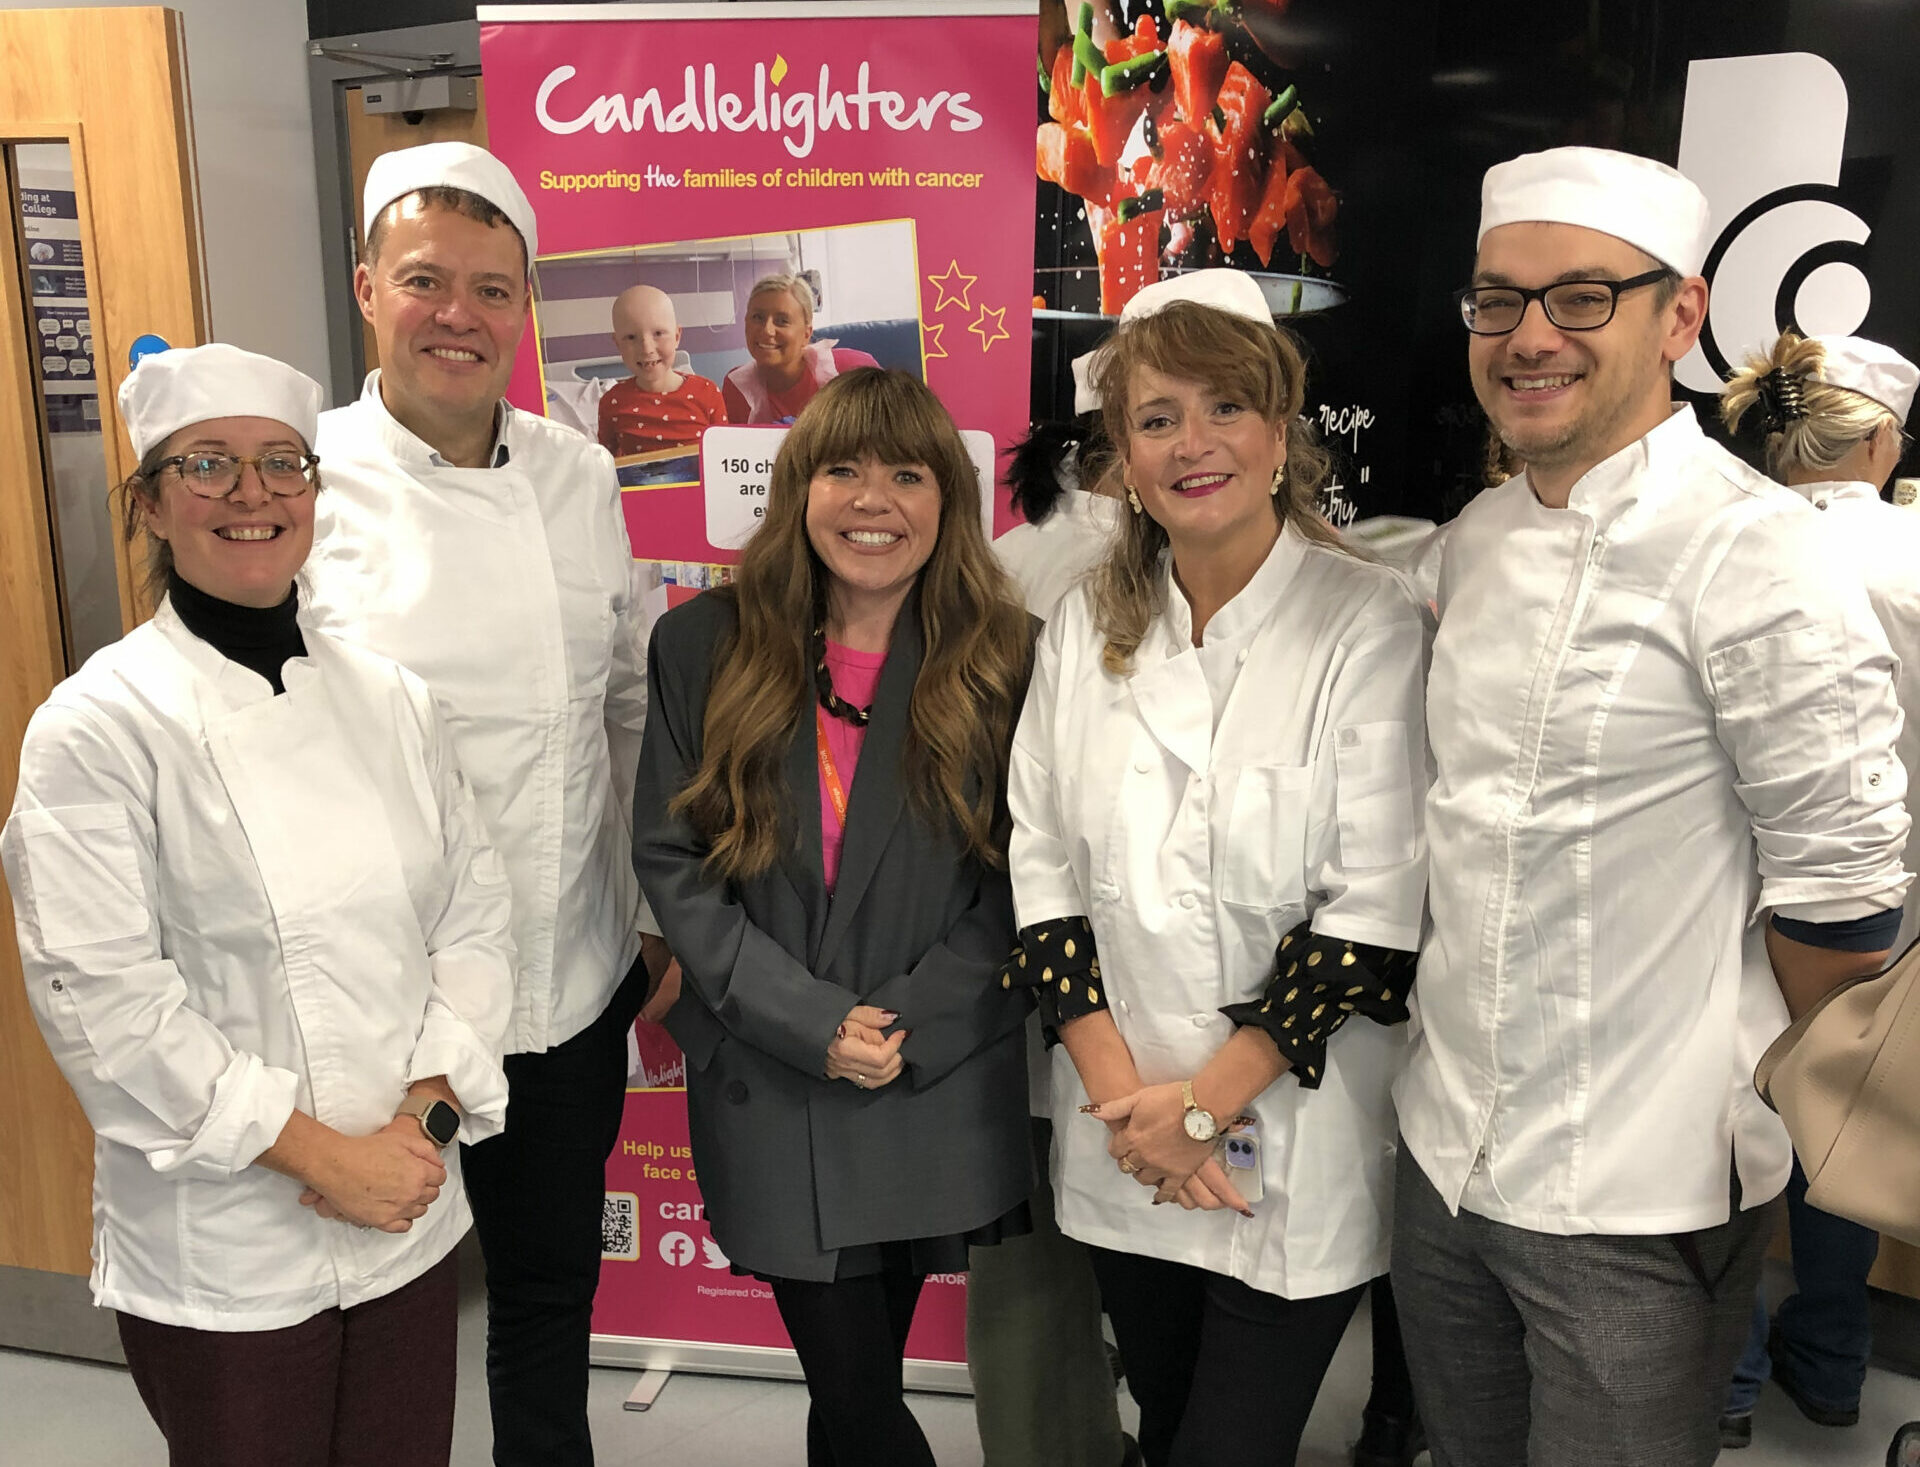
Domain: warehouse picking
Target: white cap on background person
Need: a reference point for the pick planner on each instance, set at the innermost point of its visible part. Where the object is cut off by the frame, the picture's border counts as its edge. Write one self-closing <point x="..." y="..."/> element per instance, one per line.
<point x="1647" y="204"/>
<point x="1870" y="369"/>
<point x="1232" y="291"/>
<point x="175" y="389"/>
<point x="449" y="165"/>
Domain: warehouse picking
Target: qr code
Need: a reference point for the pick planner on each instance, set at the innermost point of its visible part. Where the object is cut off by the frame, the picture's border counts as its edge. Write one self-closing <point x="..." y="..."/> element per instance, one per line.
<point x="620" y="1227"/>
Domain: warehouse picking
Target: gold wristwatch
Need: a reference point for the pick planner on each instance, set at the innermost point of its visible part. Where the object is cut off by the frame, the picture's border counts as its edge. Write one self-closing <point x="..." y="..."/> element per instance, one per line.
<point x="1199" y="1124"/>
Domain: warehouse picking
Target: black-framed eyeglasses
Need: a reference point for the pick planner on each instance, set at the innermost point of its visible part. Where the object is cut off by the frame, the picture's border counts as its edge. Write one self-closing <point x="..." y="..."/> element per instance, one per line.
<point x="1571" y="305"/>
<point x="214" y="475"/>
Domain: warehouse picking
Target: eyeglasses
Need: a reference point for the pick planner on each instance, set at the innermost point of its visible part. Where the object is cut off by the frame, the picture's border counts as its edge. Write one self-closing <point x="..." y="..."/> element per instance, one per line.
<point x="1571" y="305"/>
<point x="216" y="475"/>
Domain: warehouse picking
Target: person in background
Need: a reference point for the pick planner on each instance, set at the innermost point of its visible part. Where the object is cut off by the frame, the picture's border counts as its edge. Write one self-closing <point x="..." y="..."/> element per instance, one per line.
<point x="788" y="365"/>
<point x="1831" y="413"/>
<point x="485" y="549"/>
<point x="656" y="407"/>
<point x="1217" y="861"/>
<point x="267" y="942"/>
<point x="1043" y="1386"/>
<point x="1659" y="705"/>
<point x="820" y="825"/>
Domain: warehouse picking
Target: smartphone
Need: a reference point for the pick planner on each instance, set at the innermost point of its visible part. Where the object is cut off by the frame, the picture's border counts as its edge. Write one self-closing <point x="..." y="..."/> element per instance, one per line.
<point x="1240" y="1155"/>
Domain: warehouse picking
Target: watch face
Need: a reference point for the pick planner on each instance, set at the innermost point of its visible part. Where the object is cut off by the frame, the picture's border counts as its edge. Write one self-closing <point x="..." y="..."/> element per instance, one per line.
<point x="1200" y="1126"/>
<point x="441" y="1122"/>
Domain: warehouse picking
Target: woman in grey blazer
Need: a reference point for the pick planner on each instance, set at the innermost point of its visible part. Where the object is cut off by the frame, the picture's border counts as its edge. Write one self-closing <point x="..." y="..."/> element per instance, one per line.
<point x="855" y="1077"/>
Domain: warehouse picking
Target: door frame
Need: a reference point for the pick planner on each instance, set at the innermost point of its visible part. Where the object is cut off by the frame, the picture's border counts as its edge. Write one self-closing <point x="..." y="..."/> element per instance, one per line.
<point x="333" y="68"/>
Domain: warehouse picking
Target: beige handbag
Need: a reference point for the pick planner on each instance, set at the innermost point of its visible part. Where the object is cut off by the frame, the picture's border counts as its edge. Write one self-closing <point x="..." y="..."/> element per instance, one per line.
<point x="1846" y="1080"/>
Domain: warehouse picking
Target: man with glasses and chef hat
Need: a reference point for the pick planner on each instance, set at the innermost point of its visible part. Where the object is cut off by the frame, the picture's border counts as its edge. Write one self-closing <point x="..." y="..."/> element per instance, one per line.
<point x="1668" y="818"/>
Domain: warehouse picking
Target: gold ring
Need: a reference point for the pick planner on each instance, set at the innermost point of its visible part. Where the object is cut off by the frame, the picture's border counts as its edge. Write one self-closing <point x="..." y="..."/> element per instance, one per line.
<point x="1129" y="1165"/>
<point x="861" y="1081"/>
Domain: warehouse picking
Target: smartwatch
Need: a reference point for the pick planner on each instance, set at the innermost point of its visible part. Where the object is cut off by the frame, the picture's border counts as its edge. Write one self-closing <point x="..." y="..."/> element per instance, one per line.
<point x="1199" y="1124"/>
<point x="440" y="1121"/>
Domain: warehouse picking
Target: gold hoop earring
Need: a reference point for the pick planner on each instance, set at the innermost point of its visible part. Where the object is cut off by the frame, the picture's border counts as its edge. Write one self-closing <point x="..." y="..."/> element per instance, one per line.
<point x="1279" y="479"/>
<point x="1133" y="499"/>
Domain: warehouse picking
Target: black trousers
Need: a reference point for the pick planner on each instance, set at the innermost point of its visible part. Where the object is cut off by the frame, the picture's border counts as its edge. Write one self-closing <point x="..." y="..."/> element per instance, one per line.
<point x="537" y="1191"/>
<point x="1222" y="1372"/>
<point x="851" y="1336"/>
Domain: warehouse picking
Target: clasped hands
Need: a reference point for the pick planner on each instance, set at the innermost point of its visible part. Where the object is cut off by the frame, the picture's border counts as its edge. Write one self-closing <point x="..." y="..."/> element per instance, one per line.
<point x="383" y="1181"/>
<point x="1148" y="1140"/>
<point x="863" y="1052"/>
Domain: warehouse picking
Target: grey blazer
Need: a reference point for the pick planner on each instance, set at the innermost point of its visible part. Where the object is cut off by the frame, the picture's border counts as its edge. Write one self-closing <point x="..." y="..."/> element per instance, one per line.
<point x="793" y="1166"/>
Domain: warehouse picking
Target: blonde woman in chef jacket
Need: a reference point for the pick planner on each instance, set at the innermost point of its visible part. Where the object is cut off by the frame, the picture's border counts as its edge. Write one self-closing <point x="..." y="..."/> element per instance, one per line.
<point x="1831" y="414"/>
<point x="1217" y="861"/>
<point x="267" y="942"/>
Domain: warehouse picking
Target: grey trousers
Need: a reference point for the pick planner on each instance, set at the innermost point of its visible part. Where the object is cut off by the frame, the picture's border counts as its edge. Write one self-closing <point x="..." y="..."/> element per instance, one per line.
<point x="1595" y="1350"/>
<point x="1043" y="1392"/>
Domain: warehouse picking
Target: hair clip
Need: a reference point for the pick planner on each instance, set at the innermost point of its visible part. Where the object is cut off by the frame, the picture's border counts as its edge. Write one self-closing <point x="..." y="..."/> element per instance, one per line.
<point x="1782" y="399"/>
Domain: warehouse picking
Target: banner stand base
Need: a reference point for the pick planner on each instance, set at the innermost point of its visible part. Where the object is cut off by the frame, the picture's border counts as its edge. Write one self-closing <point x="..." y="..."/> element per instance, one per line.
<point x="646" y="1390"/>
<point x="663" y="1357"/>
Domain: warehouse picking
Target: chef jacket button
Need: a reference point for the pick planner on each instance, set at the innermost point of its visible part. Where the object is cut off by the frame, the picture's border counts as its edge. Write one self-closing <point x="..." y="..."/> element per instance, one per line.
<point x="1873" y="780"/>
<point x="736" y="1092"/>
<point x="1141" y="766"/>
<point x="58" y="986"/>
<point x="1200" y="1021"/>
<point x="1123" y="1007"/>
<point x="1349" y="738"/>
<point x="1189" y="901"/>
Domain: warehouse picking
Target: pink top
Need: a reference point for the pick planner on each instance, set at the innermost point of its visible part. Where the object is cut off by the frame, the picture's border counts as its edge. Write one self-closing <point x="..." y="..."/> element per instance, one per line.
<point x="856" y="676"/>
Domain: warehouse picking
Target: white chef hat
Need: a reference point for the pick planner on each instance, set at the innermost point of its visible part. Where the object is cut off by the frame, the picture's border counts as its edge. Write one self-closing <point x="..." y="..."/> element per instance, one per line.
<point x="175" y="389"/>
<point x="1647" y="204"/>
<point x="449" y="165"/>
<point x="1872" y="370"/>
<point x="1232" y="291"/>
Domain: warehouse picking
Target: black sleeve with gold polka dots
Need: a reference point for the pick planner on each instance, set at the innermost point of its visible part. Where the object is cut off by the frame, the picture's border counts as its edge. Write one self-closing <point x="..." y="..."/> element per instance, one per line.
<point x="1057" y="960"/>
<point x="1320" y="983"/>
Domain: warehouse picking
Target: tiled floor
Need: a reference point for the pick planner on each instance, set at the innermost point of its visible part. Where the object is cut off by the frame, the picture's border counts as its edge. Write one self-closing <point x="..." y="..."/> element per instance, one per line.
<point x="59" y="1413"/>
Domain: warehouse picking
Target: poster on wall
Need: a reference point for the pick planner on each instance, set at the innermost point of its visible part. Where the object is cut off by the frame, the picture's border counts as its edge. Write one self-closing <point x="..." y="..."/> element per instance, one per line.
<point x="874" y="157"/>
<point x="1267" y="136"/>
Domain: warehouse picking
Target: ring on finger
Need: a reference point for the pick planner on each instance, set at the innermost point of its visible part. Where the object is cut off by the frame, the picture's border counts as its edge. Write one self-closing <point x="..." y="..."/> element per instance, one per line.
<point x="1129" y="1165"/>
<point x="860" y="1080"/>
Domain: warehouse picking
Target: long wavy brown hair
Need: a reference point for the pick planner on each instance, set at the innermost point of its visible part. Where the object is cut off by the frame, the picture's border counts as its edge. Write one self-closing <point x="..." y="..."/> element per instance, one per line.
<point x="978" y="647"/>
<point x="1258" y="365"/>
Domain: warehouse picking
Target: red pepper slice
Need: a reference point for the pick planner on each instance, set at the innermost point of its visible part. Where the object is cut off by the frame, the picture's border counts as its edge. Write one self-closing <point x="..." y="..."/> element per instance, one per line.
<point x="1199" y="60"/>
<point x="1129" y="256"/>
<point x="1110" y="120"/>
<point x="1065" y="102"/>
<point x="1271" y="217"/>
<point x="1239" y="166"/>
<point x="1183" y="168"/>
<point x="1064" y="155"/>
<point x="1311" y="210"/>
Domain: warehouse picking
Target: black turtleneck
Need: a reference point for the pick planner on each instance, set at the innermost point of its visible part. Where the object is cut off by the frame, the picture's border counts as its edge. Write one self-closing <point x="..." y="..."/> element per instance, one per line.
<point x="259" y="638"/>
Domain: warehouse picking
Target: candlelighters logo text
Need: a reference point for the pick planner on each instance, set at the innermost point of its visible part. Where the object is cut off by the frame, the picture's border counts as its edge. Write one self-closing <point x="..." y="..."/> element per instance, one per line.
<point x="798" y="116"/>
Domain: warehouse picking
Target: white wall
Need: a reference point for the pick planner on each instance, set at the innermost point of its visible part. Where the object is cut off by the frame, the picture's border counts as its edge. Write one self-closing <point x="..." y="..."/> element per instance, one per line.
<point x="259" y="206"/>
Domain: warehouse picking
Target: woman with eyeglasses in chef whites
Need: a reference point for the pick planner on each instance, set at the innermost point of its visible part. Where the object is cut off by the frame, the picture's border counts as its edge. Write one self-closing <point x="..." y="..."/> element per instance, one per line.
<point x="1217" y="861"/>
<point x="267" y="942"/>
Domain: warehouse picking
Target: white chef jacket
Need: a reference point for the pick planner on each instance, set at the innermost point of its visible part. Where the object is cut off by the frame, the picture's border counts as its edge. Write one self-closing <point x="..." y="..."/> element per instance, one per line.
<point x="1882" y="542"/>
<point x="1050" y="558"/>
<point x="221" y="897"/>
<point x="1193" y="848"/>
<point x="513" y="592"/>
<point x="1656" y="714"/>
<point x="1047" y="560"/>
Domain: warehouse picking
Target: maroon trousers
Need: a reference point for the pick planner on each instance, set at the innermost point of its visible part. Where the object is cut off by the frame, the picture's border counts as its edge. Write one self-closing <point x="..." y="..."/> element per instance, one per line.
<point x="370" y="1386"/>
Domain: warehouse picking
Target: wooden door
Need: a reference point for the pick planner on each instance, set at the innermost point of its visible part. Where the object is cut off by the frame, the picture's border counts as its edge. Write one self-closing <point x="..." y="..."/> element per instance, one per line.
<point x="111" y="85"/>
<point x="369" y="134"/>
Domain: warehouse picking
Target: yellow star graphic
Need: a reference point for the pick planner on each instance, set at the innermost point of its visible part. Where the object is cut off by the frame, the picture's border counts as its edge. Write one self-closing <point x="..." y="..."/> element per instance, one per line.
<point x="989" y="334"/>
<point x="950" y="293"/>
<point x="934" y="348"/>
